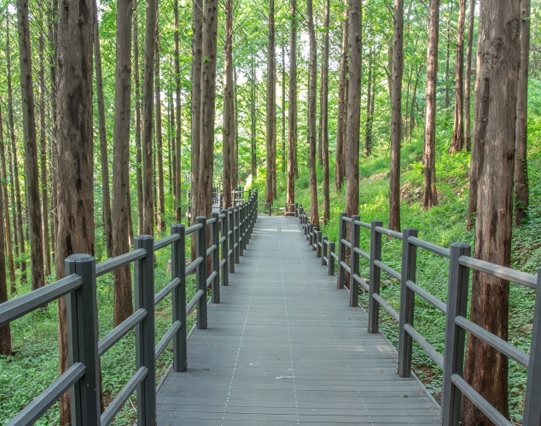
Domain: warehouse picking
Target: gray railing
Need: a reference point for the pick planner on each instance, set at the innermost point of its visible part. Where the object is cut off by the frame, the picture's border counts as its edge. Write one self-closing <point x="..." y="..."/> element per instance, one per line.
<point x="230" y="232"/>
<point x="454" y="309"/>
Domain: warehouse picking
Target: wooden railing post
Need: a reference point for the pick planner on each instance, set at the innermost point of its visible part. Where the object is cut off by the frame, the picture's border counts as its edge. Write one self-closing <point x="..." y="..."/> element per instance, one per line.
<point x="201" y="278"/>
<point x="407" y="302"/>
<point x="342" y="235"/>
<point x="318" y="238"/>
<point x="324" y="250"/>
<point x="178" y="270"/>
<point x="532" y="403"/>
<point x="237" y="234"/>
<point x="144" y="332"/>
<point x="330" y="265"/>
<point x="241" y="229"/>
<point x="375" y="277"/>
<point x="296" y="209"/>
<point x="225" y="246"/>
<point x="455" y="336"/>
<point x="83" y="340"/>
<point x="231" y="236"/>
<point x="354" y="265"/>
<point x="215" y="259"/>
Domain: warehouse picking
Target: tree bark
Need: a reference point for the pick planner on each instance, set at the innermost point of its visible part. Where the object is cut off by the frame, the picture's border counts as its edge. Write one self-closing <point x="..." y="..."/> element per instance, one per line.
<point x="340" y="171"/>
<point x="177" y="159"/>
<point x="75" y="192"/>
<point x="522" y="196"/>
<point x="148" y="105"/>
<point x="457" y="143"/>
<point x="494" y="133"/>
<point x="270" y="192"/>
<point x="229" y="109"/>
<point x="5" y="330"/>
<point x="138" y="126"/>
<point x="253" y="128"/>
<point x="312" y="102"/>
<point x="430" y="194"/>
<point x="324" y="114"/>
<point x="467" y="82"/>
<point x="370" y="94"/>
<point x="121" y="160"/>
<point x="396" y="115"/>
<point x="292" y="107"/>
<point x="283" y="112"/>
<point x="31" y="148"/>
<point x="160" y="217"/>
<point x="197" y="52"/>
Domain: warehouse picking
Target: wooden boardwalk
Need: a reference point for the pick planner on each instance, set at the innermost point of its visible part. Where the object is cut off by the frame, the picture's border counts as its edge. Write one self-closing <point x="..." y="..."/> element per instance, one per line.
<point x="283" y="348"/>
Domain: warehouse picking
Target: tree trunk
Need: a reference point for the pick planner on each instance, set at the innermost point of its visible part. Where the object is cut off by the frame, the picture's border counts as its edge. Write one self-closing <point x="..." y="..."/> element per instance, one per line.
<point x="5" y="206"/>
<point x="52" y="19"/>
<point x="121" y="160"/>
<point x="148" y="104"/>
<point x="138" y="126"/>
<point x="312" y="102"/>
<point x="104" y="156"/>
<point x="203" y="198"/>
<point x="430" y="194"/>
<point x="292" y="108"/>
<point x="457" y="143"/>
<point x="324" y="114"/>
<point x="229" y="109"/>
<point x="447" y="58"/>
<point x="369" y="106"/>
<point x="177" y="159"/>
<point x="467" y="82"/>
<point x="494" y="132"/>
<point x="5" y="330"/>
<point x="160" y="218"/>
<point x="75" y="192"/>
<point x="271" y="111"/>
<point x="353" y="123"/>
<point x="413" y="101"/>
<point x="522" y="198"/>
<point x="284" y="137"/>
<point x="396" y="115"/>
<point x="31" y="148"/>
<point x="197" y="52"/>
<point x="253" y="128"/>
<point x="340" y="172"/>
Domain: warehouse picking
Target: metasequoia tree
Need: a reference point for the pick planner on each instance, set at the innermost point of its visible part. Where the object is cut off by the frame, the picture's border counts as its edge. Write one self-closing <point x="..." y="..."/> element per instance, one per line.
<point x="203" y="197"/>
<point x="121" y="159"/>
<point x="177" y="119"/>
<point x="229" y="106"/>
<point x="75" y="192"/>
<point x="148" y="107"/>
<point x="353" y="122"/>
<point x="160" y="187"/>
<point x="292" y="107"/>
<point x="340" y="170"/>
<point x="494" y="134"/>
<point x="522" y="196"/>
<point x="253" y="126"/>
<point x="457" y="143"/>
<point x="312" y="102"/>
<point x="324" y="115"/>
<point x="430" y="194"/>
<point x="197" y="51"/>
<point x="467" y="81"/>
<point x="270" y="186"/>
<point x="370" y="95"/>
<point x="5" y="330"/>
<point x="397" y="68"/>
<point x="31" y="149"/>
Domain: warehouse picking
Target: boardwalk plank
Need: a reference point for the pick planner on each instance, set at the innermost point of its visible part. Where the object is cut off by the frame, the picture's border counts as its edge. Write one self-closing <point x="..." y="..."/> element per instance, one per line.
<point x="284" y="348"/>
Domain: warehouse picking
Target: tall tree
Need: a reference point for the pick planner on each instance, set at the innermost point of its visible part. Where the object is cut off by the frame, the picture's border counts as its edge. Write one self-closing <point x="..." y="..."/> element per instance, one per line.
<point x="324" y="114"/>
<point x="121" y="159"/>
<point x="522" y="196"/>
<point x="353" y="122"/>
<point x="253" y="124"/>
<point x="457" y="143"/>
<point x="160" y="217"/>
<point x="203" y="198"/>
<point x="75" y="192"/>
<point x="292" y="107"/>
<point x="5" y="330"/>
<point x="177" y="145"/>
<point x="138" y="125"/>
<point x="467" y="81"/>
<point x="31" y="148"/>
<point x="340" y="171"/>
<point x="396" y="113"/>
<point x="430" y="194"/>
<point x="494" y="135"/>
<point x="197" y="52"/>
<point x="229" y="107"/>
<point x="312" y="102"/>
<point x="148" y="104"/>
<point x="270" y="192"/>
<point x="370" y="95"/>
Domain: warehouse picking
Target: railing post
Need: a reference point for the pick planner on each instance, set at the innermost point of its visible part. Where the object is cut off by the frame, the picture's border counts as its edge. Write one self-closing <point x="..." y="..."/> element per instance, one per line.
<point x="231" y="236"/>
<point x="144" y="332"/>
<point x="318" y="239"/>
<point x="532" y="403"/>
<point x="241" y="230"/>
<point x="178" y="270"/>
<point x="201" y="279"/>
<point x="375" y="277"/>
<point x="324" y="250"/>
<point x="455" y="336"/>
<point x="244" y="215"/>
<point x="342" y="234"/>
<point x="310" y="236"/>
<point x="237" y="234"/>
<point x="82" y="322"/>
<point x="330" y="265"/>
<point x="296" y="209"/>
<point x="215" y="259"/>
<point x="407" y="302"/>
<point x="354" y="265"/>
<point x="225" y="247"/>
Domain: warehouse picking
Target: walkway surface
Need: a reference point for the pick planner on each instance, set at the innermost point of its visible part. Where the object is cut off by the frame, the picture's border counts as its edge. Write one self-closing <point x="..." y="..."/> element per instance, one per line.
<point x="283" y="348"/>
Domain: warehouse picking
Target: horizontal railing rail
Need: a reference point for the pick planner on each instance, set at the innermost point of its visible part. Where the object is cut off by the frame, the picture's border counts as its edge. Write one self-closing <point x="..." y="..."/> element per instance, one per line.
<point x="346" y="258"/>
<point x="229" y="233"/>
